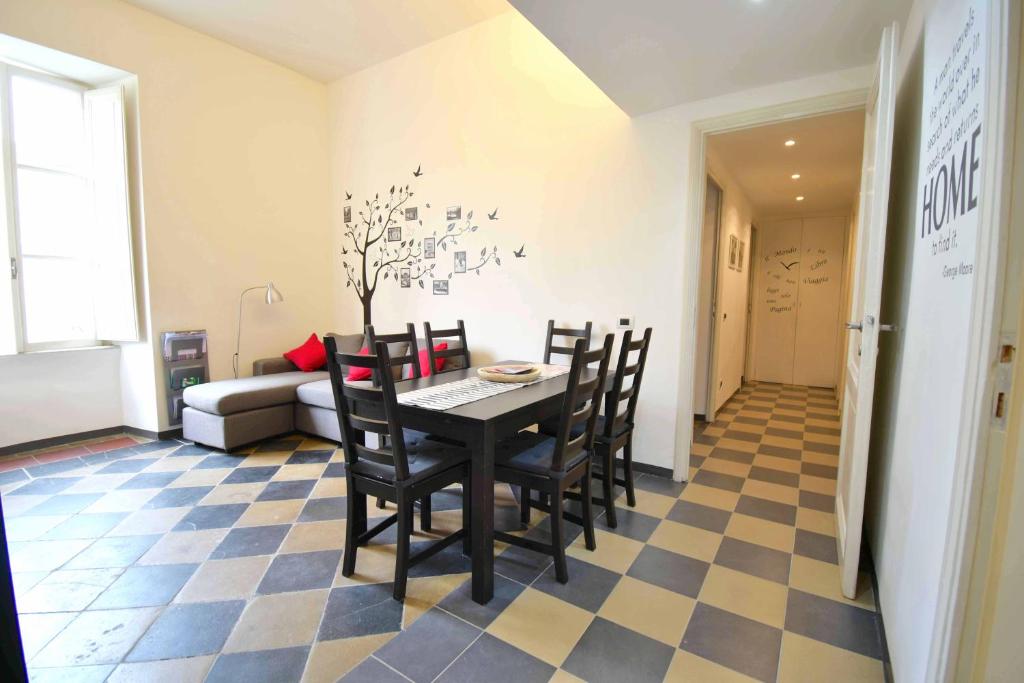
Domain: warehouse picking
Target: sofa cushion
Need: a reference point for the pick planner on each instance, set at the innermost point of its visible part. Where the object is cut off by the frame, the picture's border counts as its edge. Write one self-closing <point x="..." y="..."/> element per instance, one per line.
<point x="348" y="343"/>
<point x="310" y="355"/>
<point x="231" y="396"/>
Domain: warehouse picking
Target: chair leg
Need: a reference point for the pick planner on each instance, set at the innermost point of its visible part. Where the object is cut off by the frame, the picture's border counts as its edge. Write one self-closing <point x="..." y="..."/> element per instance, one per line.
<point x="588" y="509"/>
<point x="361" y="517"/>
<point x="627" y="470"/>
<point x="348" y="566"/>
<point x="425" y="513"/>
<point x="524" y="506"/>
<point x="558" y="538"/>
<point x="608" y="486"/>
<point x="467" y="516"/>
<point x="402" y="550"/>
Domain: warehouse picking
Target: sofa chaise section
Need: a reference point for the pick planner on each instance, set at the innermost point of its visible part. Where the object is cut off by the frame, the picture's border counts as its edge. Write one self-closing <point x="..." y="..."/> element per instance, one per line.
<point x="231" y="413"/>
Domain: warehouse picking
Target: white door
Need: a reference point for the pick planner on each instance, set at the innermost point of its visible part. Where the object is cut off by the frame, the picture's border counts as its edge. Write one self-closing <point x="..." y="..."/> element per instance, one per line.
<point x="818" y="311"/>
<point x="862" y="347"/>
<point x="778" y="282"/>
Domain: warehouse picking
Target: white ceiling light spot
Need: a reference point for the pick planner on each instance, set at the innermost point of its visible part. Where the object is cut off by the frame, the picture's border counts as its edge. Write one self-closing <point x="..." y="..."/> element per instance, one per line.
<point x="790" y="143"/>
<point x="800" y="198"/>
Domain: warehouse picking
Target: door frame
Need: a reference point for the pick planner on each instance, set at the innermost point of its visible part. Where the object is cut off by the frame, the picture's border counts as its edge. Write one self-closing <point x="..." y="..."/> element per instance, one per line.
<point x="710" y="385"/>
<point x="749" y="334"/>
<point x="830" y="103"/>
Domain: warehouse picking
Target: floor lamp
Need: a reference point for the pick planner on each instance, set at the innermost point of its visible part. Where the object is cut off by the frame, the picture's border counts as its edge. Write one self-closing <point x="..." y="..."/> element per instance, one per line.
<point x="273" y="297"/>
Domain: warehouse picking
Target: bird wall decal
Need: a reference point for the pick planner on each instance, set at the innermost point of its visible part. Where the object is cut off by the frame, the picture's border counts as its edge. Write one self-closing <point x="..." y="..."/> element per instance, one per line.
<point x="418" y="172"/>
<point x="348" y="196"/>
<point x="493" y="215"/>
<point x="521" y="253"/>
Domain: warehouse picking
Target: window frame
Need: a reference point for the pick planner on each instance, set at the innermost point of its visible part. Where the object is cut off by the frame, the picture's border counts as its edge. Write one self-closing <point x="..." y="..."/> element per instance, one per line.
<point x="10" y="171"/>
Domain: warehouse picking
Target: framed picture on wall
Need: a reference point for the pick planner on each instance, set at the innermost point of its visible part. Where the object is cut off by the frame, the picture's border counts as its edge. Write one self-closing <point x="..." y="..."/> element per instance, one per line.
<point x="347" y="212"/>
<point x="412" y="213"/>
<point x="428" y="247"/>
<point x="395" y="234"/>
<point x="441" y="287"/>
<point x="405" y="277"/>
<point x="733" y="251"/>
<point x="739" y="257"/>
<point x="460" y="262"/>
<point x="454" y="213"/>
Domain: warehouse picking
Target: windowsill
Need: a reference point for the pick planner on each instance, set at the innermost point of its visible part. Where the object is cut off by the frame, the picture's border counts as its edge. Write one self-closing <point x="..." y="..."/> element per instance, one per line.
<point x="97" y="347"/>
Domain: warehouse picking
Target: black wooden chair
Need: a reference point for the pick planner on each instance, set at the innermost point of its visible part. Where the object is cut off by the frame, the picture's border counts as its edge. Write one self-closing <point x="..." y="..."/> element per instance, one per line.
<point x="615" y="429"/>
<point x="412" y="353"/>
<point x="552" y="465"/>
<point x="398" y="472"/>
<point x="432" y="336"/>
<point x="551" y="349"/>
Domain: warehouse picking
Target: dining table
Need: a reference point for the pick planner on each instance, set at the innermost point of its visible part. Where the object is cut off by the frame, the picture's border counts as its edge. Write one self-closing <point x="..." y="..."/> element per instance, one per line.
<point x="480" y="425"/>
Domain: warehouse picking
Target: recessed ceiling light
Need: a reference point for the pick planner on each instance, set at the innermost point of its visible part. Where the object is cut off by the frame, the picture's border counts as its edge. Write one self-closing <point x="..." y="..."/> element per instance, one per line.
<point x="790" y="143"/>
<point x="795" y="176"/>
<point x="800" y="198"/>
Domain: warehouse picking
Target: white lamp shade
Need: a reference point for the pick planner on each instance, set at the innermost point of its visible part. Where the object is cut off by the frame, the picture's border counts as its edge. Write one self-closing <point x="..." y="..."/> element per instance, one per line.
<point x="273" y="296"/>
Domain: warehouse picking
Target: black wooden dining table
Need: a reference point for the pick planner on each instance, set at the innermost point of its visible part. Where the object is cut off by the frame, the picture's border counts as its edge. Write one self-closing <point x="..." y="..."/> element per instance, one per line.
<point x="480" y="425"/>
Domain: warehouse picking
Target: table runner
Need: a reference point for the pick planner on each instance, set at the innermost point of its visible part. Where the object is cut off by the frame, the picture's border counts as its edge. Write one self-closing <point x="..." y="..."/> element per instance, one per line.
<point x="463" y="391"/>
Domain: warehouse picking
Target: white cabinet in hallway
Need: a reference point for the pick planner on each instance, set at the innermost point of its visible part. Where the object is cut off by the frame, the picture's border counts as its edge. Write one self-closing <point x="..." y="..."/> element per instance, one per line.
<point x="798" y="296"/>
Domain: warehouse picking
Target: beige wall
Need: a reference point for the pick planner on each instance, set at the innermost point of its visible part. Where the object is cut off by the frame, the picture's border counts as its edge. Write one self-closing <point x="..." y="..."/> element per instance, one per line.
<point x="498" y="117"/>
<point x="235" y="179"/>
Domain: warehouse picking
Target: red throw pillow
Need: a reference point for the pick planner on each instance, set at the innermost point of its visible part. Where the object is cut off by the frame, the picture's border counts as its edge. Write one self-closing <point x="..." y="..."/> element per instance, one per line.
<point x="425" y="360"/>
<point x="312" y="355"/>
<point x="360" y="374"/>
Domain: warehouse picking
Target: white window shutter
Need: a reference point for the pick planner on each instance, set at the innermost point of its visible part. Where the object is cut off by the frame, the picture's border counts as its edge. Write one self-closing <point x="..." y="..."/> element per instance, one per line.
<point x="116" y="308"/>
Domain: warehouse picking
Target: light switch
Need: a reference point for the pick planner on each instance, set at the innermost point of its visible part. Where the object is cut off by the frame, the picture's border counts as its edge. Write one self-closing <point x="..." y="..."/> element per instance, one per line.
<point x="625" y="322"/>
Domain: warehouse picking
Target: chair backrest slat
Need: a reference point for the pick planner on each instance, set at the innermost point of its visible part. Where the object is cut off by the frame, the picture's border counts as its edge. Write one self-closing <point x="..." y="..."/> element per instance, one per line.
<point x="614" y="420"/>
<point x="412" y="353"/>
<point x="365" y="409"/>
<point x="431" y="336"/>
<point x="550" y="348"/>
<point x="581" y="403"/>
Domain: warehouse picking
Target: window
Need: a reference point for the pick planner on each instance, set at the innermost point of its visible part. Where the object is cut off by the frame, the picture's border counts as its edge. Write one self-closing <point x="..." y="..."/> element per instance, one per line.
<point x="66" y="213"/>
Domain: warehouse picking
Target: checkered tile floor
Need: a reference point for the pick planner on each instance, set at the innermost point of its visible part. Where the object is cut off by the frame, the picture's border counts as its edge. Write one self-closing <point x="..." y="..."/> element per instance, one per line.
<point x="164" y="561"/>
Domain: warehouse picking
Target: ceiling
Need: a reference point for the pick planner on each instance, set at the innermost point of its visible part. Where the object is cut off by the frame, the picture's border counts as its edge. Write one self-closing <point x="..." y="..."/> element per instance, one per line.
<point x="657" y="53"/>
<point x="827" y="155"/>
<point x="326" y="39"/>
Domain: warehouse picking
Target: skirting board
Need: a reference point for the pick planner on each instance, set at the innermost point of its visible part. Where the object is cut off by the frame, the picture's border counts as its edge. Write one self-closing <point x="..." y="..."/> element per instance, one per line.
<point x="82" y="436"/>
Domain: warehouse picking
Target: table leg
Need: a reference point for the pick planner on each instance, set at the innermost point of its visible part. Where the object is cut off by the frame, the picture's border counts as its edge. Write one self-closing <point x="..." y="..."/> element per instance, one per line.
<point x="482" y="501"/>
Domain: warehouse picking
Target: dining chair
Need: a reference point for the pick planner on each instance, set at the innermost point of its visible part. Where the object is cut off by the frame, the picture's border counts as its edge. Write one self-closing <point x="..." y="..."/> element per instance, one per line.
<point x="395" y="471"/>
<point x="412" y="354"/>
<point x="551" y="349"/>
<point x="551" y="465"/>
<point x="615" y="429"/>
<point x="458" y="332"/>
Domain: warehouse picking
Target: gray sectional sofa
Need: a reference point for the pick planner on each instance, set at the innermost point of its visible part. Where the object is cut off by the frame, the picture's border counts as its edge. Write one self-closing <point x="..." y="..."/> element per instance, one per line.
<point x="276" y="400"/>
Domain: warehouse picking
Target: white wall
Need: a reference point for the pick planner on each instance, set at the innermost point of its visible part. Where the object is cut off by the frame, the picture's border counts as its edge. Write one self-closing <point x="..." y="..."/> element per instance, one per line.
<point x="732" y="284"/>
<point x="235" y="181"/>
<point x="498" y="117"/>
<point x="51" y="394"/>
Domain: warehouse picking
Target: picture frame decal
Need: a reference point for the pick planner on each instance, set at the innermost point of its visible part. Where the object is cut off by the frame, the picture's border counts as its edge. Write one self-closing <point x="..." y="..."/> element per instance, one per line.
<point x="454" y="213"/>
<point x="412" y="213"/>
<point x="428" y="247"/>
<point x="395" y="234"/>
<point x="440" y="288"/>
<point x="460" y="262"/>
<point x="405" y="276"/>
<point x="348" y="214"/>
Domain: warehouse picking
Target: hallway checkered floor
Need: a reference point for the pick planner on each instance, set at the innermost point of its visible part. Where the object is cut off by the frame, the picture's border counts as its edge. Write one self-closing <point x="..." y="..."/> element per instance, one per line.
<point x="165" y="561"/>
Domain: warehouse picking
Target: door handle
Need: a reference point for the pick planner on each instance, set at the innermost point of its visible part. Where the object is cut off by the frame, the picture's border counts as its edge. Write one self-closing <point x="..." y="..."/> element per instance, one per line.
<point x="888" y="328"/>
<point x="854" y="326"/>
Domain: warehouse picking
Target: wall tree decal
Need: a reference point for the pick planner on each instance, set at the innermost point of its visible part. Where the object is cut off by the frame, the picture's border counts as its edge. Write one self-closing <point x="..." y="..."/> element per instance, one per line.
<point x="381" y="250"/>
